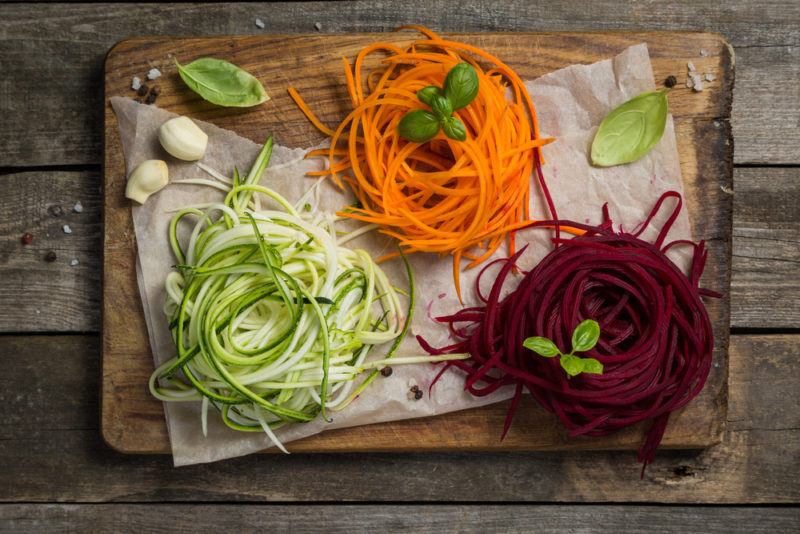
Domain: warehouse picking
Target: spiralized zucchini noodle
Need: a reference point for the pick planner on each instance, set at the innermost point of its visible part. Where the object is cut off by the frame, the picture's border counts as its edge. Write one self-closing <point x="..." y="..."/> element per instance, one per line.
<point x="272" y="317"/>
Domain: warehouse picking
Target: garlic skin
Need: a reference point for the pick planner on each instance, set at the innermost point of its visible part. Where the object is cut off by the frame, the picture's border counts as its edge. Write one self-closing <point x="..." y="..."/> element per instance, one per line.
<point x="147" y="178"/>
<point x="183" y="139"/>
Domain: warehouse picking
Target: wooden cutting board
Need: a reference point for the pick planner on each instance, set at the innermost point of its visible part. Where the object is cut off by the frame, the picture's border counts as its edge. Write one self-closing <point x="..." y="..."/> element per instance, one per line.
<point x="133" y="422"/>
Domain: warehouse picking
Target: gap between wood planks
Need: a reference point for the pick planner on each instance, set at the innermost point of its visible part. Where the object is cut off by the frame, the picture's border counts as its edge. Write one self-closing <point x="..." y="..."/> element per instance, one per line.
<point x="400" y="518"/>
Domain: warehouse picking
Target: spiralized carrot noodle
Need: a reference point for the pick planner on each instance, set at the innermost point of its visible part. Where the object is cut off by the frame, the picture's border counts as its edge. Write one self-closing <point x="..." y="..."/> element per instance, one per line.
<point x="463" y="198"/>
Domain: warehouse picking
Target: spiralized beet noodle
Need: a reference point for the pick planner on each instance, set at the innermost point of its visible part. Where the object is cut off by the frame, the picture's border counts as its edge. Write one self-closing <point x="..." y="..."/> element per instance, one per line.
<point x="656" y="340"/>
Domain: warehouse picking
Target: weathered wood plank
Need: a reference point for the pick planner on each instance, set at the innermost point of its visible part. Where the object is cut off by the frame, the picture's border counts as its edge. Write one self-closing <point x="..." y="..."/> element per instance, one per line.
<point x="57" y="518"/>
<point x="745" y="22"/>
<point x="55" y="387"/>
<point x="766" y="104"/>
<point x="52" y="420"/>
<point x="766" y="248"/>
<point x="763" y="289"/>
<point x="41" y="295"/>
<point x="52" y="103"/>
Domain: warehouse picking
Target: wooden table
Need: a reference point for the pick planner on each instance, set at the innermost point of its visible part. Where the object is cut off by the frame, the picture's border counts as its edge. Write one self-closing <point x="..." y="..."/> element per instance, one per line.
<point x="55" y="471"/>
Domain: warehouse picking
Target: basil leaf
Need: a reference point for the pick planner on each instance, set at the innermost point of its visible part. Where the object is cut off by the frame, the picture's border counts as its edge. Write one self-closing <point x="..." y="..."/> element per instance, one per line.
<point x="425" y="94"/>
<point x="442" y="107"/>
<point x="461" y="85"/>
<point x="631" y="130"/>
<point x="541" y="346"/>
<point x="454" y="129"/>
<point x="573" y="365"/>
<point x="585" y="336"/>
<point x="418" y="126"/>
<point x="592" y="366"/>
<point x="222" y="83"/>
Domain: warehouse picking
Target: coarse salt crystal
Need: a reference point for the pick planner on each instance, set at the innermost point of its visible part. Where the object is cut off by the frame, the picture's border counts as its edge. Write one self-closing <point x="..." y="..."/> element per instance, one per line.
<point x="698" y="86"/>
<point x="318" y="26"/>
<point x="260" y="23"/>
<point x="710" y="77"/>
<point x="690" y="65"/>
<point x="696" y="78"/>
<point x="78" y="207"/>
<point x="67" y="229"/>
<point x="136" y="83"/>
<point x="703" y="52"/>
<point x="73" y="262"/>
<point x="689" y="83"/>
<point x="153" y="73"/>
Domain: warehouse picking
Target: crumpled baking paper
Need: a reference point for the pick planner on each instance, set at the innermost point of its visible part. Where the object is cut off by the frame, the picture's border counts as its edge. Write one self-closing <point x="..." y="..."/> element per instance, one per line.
<point x="570" y="104"/>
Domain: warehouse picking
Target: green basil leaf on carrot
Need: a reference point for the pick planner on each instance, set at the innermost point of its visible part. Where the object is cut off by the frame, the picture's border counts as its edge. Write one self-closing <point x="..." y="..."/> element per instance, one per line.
<point x="419" y="126"/>
<point x="454" y="129"/>
<point x="461" y="85"/>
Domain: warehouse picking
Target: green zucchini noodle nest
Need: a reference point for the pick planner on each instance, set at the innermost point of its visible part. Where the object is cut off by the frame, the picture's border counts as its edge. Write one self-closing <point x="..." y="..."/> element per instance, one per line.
<point x="272" y="317"/>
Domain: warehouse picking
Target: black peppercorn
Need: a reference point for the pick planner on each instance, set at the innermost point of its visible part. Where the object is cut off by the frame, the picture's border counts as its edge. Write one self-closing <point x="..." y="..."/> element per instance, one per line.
<point x="50" y="257"/>
<point x="156" y="91"/>
<point x="27" y="238"/>
<point x="414" y="389"/>
<point x="151" y="97"/>
<point x="418" y="394"/>
<point x="386" y="371"/>
<point x="143" y="89"/>
<point x="670" y="81"/>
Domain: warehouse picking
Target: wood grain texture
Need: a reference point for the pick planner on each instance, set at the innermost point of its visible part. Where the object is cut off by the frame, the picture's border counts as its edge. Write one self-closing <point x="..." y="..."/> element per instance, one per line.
<point x="752" y="24"/>
<point x="133" y="421"/>
<point x="766" y="248"/>
<point x="764" y="294"/>
<point x="57" y="518"/>
<point x="51" y="96"/>
<point x="36" y="294"/>
<point x="51" y="449"/>
<point x="767" y="103"/>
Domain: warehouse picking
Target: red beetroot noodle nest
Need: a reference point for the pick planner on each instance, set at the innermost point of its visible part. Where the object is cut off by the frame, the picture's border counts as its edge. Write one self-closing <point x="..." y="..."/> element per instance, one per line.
<point x="656" y="339"/>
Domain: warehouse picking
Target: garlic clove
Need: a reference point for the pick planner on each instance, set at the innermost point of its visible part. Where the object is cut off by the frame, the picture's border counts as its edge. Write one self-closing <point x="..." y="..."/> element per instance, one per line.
<point x="147" y="178"/>
<point x="182" y="138"/>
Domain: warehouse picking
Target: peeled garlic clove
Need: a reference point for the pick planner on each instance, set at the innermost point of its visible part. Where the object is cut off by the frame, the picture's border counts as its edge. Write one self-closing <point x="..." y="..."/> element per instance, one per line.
<point x="183" y="139"/>
<point x="147" y="178"/>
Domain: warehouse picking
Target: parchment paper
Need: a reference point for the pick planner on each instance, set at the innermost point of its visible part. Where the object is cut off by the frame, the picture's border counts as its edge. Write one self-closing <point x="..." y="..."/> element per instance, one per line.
<point x="570" y="104"/>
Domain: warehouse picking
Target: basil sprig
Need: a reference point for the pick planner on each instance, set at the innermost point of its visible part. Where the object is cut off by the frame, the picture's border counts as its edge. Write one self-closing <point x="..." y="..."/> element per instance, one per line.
<point x="584" y="338"/>
<point x="460" y="88"/>
<point x="630" y="130"/>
